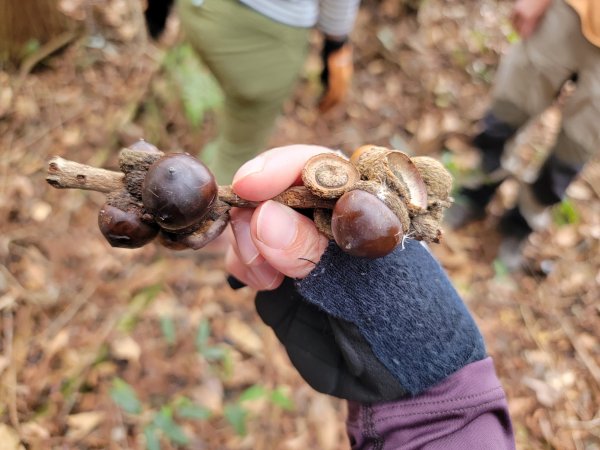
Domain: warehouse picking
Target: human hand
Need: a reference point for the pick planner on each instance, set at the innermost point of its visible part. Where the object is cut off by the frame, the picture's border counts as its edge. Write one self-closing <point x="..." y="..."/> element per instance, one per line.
<point x="526" y="15"/>
<point x="273" y="240"/>
<point x="337" y="72"/>
<point x="357" y="328"/>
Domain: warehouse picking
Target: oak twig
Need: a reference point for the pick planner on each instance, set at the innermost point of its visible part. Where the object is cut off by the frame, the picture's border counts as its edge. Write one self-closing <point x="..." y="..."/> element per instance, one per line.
<point x="66" y="174"/>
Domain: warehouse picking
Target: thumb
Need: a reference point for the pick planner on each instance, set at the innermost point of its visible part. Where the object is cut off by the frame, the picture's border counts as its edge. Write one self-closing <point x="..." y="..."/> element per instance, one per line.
<point x="287" y="240"/>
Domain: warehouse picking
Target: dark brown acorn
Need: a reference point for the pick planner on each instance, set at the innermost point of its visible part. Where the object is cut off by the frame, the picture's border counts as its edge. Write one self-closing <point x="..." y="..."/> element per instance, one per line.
<point x="144" y="146"/>
<point x="125" y="229"/>
<point x="178" y="191"/>
<point x="363" y="225"/>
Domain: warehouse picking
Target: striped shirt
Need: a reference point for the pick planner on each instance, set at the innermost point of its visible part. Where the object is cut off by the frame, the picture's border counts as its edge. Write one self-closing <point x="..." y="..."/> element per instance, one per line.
<point x="332" y="17"/>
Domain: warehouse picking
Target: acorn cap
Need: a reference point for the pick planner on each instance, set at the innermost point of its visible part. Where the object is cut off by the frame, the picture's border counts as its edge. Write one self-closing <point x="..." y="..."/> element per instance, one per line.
<point x="436" y="177"/>
<point x="395" y="169"/>
<point x="426" y="228"/>
<point x="329" y="176"/>
<point x="322" y="220"/>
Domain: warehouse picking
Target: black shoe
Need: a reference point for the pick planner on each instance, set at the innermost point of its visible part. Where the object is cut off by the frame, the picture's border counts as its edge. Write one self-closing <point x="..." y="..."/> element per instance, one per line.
<point x="515" y="231"/>
<point x="469" y="205"/>
<point x="463" y="212"/>
<point x="513" y="224"/>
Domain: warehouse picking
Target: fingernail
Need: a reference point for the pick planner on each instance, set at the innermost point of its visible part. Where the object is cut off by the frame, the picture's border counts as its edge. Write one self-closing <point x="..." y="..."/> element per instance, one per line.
<point x="253" y="166"/>
<point x="246" y="248"/>
<point x="277" y="225"/>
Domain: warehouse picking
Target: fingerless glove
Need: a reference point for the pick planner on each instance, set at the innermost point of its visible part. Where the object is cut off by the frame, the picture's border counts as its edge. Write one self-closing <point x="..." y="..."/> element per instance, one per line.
<point x="373" y="330"/>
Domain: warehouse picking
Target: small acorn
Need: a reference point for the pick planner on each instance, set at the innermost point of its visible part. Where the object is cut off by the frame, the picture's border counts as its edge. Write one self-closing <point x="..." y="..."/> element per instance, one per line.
<point x="125" y="229"/>
<point x="178" y="191"/>
<point x="369" y="221"/>
<point x="144" y="146"/>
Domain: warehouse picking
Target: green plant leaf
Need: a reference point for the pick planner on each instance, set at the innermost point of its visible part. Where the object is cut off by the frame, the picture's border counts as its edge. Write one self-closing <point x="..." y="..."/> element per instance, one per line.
<point x="215" y="353"/>
<point x="186" y="409"/>
<point x="500" y="269"/>
<point x="449" y="163"/>
<point x="30" y="47"/>
<point x="163" y="420"/>
<point x="202" y="335"/>
<point x="167" y="325"/>
<point x="253" y="393"/>
<point x="195" y="412"/>
<point x="227" y="364"/>
<point x="236" y="415"/>
<point x="279" y="398"/>
<point x="137" y="304"/>
<point x="197" y="87"/>
<point x="565" y="213"/>
<point x="152" y="440"/>
<point x="124" y="396"/>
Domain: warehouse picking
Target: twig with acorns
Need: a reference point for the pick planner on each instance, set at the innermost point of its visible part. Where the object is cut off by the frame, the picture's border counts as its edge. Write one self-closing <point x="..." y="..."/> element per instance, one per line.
<point x="368" y="204"/>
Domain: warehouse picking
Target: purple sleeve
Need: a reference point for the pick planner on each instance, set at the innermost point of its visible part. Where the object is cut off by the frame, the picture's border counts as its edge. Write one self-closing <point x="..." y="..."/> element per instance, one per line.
<point x="465" y="411"/>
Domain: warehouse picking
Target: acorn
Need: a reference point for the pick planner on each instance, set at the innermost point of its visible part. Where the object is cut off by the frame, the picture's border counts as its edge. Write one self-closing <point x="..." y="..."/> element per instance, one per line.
<point x="144" y="146"/>
<point x="125" y="229"/>
<point x="369" y="221"/>
<point x="178" y="191"/>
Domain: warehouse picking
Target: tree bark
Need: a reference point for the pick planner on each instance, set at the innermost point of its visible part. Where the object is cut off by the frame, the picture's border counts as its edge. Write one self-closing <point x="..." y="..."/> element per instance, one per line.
<point x="25" y="21"/>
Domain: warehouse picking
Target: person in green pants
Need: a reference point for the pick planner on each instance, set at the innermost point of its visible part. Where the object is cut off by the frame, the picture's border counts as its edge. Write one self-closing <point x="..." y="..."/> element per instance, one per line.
<point x="256" y="50"/>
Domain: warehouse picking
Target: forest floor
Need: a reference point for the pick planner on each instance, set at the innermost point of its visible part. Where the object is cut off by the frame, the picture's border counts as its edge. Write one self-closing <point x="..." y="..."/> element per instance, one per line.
<point x="104" y="348"/>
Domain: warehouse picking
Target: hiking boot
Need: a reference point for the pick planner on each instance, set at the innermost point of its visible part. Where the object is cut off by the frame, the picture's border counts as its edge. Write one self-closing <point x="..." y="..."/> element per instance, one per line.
<point x="469" y="205"/>
<point x="515" y="231"/>
<point x="463" y="212"/>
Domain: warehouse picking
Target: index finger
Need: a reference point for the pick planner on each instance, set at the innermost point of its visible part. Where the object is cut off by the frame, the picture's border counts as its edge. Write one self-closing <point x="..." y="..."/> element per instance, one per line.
<point x="273" y="171"/>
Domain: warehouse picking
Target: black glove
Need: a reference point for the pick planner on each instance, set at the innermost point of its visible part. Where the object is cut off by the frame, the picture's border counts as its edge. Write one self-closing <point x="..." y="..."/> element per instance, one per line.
<point x="156" y="15"/>
<point x="329" y="353"/>
<point x="373" y="330"/>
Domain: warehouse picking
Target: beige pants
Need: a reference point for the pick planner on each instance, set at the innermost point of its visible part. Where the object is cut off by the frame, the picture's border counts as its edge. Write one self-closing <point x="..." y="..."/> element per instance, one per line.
<point x="529" y="79"/>
<point x="532" y="73"/>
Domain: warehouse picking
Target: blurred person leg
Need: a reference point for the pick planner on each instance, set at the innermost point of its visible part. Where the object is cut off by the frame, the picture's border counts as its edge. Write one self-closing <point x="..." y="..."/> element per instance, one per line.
<point x="257" y="62"/>
<point x="528" y="79"/>
<point x="156" y="15"/>
<point x="577" y="141"/>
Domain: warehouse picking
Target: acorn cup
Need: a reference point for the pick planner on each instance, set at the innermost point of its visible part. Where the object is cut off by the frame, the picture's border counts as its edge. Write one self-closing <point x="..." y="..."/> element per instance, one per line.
<point x="368" y="204"/>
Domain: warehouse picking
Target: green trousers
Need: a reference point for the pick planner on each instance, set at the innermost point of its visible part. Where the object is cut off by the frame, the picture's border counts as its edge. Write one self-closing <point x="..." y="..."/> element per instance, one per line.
<point x="256" y="61"/>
